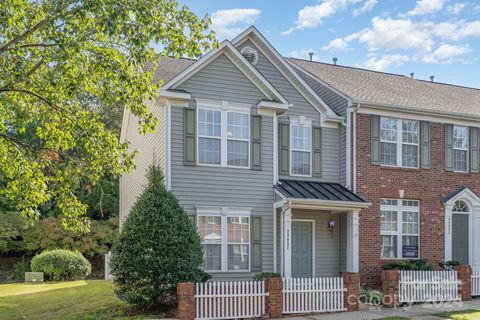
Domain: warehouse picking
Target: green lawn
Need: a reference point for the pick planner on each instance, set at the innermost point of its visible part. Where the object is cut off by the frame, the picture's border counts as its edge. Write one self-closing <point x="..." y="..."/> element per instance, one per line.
<point x="473" y="314"/>
<point x="62" y="300"/>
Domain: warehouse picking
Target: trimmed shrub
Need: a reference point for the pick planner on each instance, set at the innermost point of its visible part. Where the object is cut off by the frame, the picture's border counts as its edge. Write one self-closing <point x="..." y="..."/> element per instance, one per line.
<point x="266" y="275"/>
<point x="448" y="265"/>
<point x="415" y="265"/>
<point x="61" y="264"/>
<point x="158" y="247"/>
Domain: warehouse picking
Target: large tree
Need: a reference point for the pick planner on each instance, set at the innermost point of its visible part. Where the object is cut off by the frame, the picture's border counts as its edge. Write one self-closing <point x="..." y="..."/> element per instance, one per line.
<point x="59" y="59"/>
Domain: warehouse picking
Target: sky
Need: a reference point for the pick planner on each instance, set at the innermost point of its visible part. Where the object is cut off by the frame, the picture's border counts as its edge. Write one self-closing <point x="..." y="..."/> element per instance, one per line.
<point x="427" y="37"/>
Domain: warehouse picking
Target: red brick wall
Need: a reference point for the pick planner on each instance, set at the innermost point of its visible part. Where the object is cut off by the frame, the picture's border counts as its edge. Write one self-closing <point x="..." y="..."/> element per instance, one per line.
<point x="427" y="185"/>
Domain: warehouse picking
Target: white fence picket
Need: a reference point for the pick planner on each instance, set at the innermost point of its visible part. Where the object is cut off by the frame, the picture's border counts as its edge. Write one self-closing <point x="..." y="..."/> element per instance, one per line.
<point x="476" y="280"/>
<point x="230" y="300"/>
<point x="428" y="286"/>
<point x="304" y="295"/>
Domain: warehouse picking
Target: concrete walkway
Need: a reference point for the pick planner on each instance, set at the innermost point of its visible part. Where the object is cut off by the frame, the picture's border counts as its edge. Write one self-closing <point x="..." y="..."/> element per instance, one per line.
<point x="419" y="311"/>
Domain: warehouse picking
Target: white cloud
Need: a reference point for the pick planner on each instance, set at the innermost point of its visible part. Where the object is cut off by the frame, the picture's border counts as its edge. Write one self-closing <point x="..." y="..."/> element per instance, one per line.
<point x="385" y="61"/>
<point x="341" y="44"/>
<point x="396" y="34"/>
<point x="367" y="6"/>
<point x="456" y="8"/>
<point x="312" y="16"/>
<point x="229" y="23"/>
<point x="446" y="53"/>
<point x="456" y="30"/>
<point x="426" y="6"/>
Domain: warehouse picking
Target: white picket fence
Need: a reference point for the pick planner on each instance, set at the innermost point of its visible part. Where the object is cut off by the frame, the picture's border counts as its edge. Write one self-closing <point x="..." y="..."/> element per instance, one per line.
<point x="304" y="295"/>
<point x="230" y="299"/>
<point x="476" y="280"/>
<point x="428" y="286"/>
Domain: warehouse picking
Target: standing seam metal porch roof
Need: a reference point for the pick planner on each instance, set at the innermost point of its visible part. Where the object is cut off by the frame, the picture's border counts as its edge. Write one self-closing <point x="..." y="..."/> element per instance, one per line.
<point x="301" y="189"/>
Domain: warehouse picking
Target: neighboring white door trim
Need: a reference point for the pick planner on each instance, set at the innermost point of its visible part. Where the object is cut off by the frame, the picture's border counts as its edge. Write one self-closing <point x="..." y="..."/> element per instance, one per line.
<point x="312" y="221"/>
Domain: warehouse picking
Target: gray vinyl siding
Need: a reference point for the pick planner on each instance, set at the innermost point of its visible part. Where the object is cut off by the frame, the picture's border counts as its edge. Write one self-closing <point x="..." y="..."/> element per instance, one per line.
<point x="327" y="244"/>
<point x="343" y="241"/>
<point x="150" y="146"/>
<point x="227" y="187"/>
<point x="300" y="106"/>
<point x="222" y="80"/>
<point x="335" y="101"/>
<point x="343" y="155"/>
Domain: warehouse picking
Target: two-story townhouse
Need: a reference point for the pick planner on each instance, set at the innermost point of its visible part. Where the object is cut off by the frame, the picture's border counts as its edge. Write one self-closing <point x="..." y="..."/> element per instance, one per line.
<point x="256" y="157"/>
<point x="413" y="152"/>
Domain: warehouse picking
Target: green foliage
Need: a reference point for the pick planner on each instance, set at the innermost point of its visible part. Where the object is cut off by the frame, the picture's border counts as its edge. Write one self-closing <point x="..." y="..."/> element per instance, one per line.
<point x="158" y="247"/>
<point x="58" y="265"/>
<point x="416" y="265"/>
<point x="11" y="230"/>
<point x="49" y="234"/>
<point x="266" y="275"/>
<point x="19" y="268"/>
<point x="373" y="297"/>
<point x="62" y="61"/>
<point x="448" y="265"/>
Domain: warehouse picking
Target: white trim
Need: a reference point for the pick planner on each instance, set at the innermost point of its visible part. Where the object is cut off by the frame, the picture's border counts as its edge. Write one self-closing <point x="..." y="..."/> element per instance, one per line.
<point x="168" y="165"/>
<point x="312" y="221"/>
<point x="473" y="202"/>
<point x="325" y="204"/>
<point x="467" y="149"/>
<point x="174" y="95"/>
<point x="399" y="209"/>
<point x="125" y="120"/>
<point x="271" y="105"/>
<point x="353" y="240"/>
<point x="305" y="123"/>
<point x="246" y="35"/>
<point x="275" y="149"/>
<point x="227" y="49"/>
<point x="274" y="209"/>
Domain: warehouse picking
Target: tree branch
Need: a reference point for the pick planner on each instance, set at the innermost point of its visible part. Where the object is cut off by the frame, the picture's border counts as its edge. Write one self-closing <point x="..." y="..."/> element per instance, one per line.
<point x="29" y="73"/>
<point x="26" y="33"/>
<point x="45" y="101"/>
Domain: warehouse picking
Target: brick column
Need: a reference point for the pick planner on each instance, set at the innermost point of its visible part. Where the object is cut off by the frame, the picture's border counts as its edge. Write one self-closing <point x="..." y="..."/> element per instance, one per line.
<point x="274" y="300"/>
<point x="390" y="288"/>
<point x="186" y="301"/>
<point x="351" y="281"/>
<point x="465" y="286"/>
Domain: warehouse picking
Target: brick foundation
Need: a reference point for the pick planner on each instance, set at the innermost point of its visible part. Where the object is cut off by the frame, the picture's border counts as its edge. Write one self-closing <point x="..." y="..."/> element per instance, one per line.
<point x="465" y="278"/>
<point x="426" y="185"/>
<point x="351" y="297"/>
<point x="390" y="288"/>
<point x="274" y="300"/>
<point x="186" y="301"/>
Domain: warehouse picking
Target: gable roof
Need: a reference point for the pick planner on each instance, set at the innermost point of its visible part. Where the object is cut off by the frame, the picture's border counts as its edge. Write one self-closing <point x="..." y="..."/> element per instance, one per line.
<point x="238" y="60"/>
<point x="168" y="68"/>
<point x="393" y="90"/>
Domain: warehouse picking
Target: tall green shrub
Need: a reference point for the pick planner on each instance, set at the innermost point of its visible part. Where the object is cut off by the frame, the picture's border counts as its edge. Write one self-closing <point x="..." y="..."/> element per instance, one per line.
<point x="158" y="247"/>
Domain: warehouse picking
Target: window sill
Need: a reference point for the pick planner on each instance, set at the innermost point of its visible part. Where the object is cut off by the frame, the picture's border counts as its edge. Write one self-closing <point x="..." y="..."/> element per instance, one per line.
<point x="401" y="168"/>
<point x="228" y="271"/>
<point x="397" y="259"/>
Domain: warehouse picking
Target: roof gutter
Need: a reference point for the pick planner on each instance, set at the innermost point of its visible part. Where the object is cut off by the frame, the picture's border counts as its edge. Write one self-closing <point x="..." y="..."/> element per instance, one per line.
<point x="328" y="204"/>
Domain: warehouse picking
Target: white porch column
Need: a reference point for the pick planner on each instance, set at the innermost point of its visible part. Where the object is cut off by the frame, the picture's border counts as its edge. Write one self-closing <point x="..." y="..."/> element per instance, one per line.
<point x="287" y="247"/>
<point x="448" y="232"/>
<point x="352" y="241"/>
<point x="475" y="244"/>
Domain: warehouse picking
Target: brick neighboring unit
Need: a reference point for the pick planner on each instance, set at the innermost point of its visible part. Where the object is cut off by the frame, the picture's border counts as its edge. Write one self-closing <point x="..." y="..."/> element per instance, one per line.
<point x="428" y="186"/>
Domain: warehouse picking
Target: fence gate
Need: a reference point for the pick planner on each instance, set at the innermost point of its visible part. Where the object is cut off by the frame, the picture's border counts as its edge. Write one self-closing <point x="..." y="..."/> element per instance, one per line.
<point x="428" y="286"/>
<point x="476" y="280"/>
<point x="304" y="295"/>
<point x="230" y="299"/>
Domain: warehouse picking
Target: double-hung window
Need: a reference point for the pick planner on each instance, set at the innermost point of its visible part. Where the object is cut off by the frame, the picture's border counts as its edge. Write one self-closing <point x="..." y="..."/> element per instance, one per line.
<point x="399" y="228"/>
<point x="301" y="140"/>
<point x="226" y="241"/>
<point x="223" y="137"/>
<point x="399" y="142"/>
<point x="460" y="149"/>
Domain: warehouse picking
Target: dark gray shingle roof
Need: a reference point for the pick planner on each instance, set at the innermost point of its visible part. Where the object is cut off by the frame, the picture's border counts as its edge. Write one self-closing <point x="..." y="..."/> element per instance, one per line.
<point x="302" y="189"/>
<point x="168" y="68"/>
<point x="394" y="89"/>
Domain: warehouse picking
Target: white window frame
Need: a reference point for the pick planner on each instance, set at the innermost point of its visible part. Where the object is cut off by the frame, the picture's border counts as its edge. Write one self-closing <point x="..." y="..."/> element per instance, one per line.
<point x="224" y="107"/>
<point x="304" y="122"/>
<point x="399" y="143"/>
<point x="399" y="209"/>
<point x="467" y="149"/>
<point x="225" y="213"/>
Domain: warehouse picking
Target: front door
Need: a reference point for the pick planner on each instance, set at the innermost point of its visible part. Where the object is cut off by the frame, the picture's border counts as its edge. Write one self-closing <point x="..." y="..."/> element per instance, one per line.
<point x="302" y="254"/>
<point x="460" y="238"/>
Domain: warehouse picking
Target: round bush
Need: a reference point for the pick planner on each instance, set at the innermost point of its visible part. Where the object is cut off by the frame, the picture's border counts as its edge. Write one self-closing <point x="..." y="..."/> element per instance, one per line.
<point x="60" y="265"/>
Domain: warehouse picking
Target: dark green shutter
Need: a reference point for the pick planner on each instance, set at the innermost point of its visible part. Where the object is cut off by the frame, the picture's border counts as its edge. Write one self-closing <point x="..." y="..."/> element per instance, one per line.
<point x="425" y="145"/>
<point x="375" y="135"/>
<point x="317" y="151"/>
<point x="256" y="230"/>
<point x="449" y="147"/>
<point x="474" y="150"/>
<point x="256" y="146"/>
<point x="283" y="149"/>
<point x="189" y="125"/>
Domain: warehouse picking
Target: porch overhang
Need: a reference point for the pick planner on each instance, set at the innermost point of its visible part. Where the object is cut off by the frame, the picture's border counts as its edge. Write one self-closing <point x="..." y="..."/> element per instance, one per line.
<point x="322" y="204"/>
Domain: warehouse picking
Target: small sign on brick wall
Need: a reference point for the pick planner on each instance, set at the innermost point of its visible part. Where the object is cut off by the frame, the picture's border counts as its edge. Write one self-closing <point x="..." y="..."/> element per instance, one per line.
<point x="410" y="251"/>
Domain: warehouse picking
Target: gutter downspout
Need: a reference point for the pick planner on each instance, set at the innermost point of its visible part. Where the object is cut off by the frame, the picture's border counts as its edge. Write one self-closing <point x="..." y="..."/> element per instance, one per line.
<point x="348" y="142"/>
<point x="355" y="110"/>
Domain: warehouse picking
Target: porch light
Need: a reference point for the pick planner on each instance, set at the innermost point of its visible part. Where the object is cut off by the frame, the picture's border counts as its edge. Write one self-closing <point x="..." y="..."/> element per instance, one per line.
<point x="331" y="224"/>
